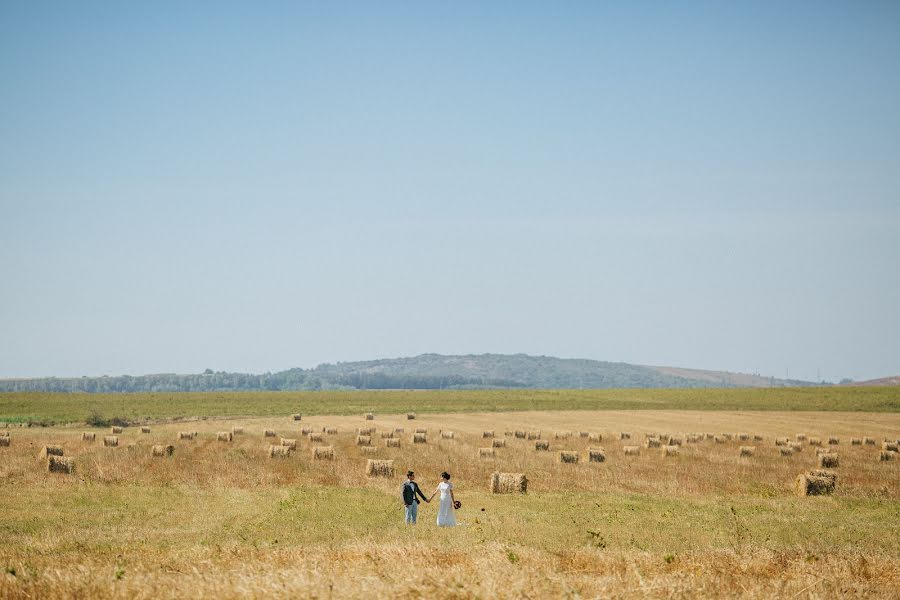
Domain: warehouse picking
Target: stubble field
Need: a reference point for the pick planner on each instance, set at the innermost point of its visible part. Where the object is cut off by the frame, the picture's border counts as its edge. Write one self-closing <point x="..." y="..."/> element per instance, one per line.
<point x="223" y="519"/>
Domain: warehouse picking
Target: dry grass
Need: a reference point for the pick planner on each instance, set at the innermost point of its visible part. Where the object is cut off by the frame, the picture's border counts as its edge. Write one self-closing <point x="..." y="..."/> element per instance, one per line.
<point x="222" y="520"/>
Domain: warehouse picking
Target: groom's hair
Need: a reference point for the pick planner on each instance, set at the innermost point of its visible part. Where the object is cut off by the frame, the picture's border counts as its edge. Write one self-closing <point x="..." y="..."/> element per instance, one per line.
<point x="410" y="474"/>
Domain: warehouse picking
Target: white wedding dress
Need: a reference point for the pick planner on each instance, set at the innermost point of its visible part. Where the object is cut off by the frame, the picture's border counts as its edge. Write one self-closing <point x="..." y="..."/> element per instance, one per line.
<point x="446" y="516"/>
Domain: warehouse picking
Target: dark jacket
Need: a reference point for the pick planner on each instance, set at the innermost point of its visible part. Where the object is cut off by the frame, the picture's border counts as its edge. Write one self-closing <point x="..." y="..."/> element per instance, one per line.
<point x="410" y="489"/>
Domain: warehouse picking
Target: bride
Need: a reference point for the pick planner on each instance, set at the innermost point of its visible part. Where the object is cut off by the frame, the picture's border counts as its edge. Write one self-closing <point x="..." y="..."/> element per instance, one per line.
<point x="446" y="516"/>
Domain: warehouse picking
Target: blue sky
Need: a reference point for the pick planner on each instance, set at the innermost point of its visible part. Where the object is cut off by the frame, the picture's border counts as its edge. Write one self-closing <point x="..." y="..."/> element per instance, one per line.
<point x="254" y="188"/>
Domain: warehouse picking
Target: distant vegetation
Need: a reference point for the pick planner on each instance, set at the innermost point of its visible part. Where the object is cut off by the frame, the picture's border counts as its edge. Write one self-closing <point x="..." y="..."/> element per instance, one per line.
<point x="424" y="372"/>
<point x="106" y="409"/>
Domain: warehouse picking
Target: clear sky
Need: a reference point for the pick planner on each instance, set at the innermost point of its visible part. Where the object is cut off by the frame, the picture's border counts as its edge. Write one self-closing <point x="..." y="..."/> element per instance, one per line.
<point x="258" y="186"/>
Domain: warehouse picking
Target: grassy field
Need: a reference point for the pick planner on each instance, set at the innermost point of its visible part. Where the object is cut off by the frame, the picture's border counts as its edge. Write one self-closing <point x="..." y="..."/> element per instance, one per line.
<point x="223" y="519"/>
<point x="62" y="408"/>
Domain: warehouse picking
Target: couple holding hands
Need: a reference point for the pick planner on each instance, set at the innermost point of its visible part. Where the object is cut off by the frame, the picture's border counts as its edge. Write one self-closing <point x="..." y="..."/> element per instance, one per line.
<point x="446" y="516"/>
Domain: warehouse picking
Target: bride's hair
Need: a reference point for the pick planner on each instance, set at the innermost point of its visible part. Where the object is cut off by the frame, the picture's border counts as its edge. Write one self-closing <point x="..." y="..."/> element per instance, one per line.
<point x="446" y="475"/>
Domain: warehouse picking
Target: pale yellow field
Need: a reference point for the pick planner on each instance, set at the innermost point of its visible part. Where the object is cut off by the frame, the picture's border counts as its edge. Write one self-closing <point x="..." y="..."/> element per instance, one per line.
<point x="224" y="519"/>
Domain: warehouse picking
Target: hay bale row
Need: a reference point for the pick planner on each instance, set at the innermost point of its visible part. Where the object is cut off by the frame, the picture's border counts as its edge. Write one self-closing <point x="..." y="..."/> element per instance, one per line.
<point x="60" y="464"/>
<point x="225" y="436"/>
<point x="160" y="450"/>
<point x="596" y="455"/>
<point x="509" y="483"/>
<point x="815" y="483"/>
<point x="542" y="445"/>
<point x="568" y="456"/>
<point x="110" y="441"/>
<point x="379" y="468"/>
<point x="323" y="453"/>
<point x="392" y="443"/>
<point x="486" y="453"/>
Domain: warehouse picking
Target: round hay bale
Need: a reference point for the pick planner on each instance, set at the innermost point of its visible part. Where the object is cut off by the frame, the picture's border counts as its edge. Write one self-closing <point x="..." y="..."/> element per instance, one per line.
<point x="323" y="453"/>
<point x="419" y="438"/>
<point x="624" y="435"/>
<point x="379" y="468"/>
<point x="88" y="436"/>
<point x="279" y="451"/>
<point x="51" y="451"/>
<point x="487" y="434"/>
<point x="815" y="483"/>
<point x="410" y="416"/>
<point x="669" y="451"/>
<point x="110" y="441"/>
<point x="115" y="429"/>
<point x="370" y="416"/>
<point x="225" y="436"/>
<point x="828" y="461"/>
<point x="448" y="435"/>
<point x="145" y="429"/>
<point x="486" y="453"/>
<point x="631" y="450"/>
<point x="781" y="441"/>
<point x="509" y="483"/>
<point x="4" y="441"/>
<point x="540" y="445"/>
<point x="60" y="464"/>
<point x="185" y="435"/>
<point x="363" y="440"/>
<point x="160" y="450"/>
<point x="747" y="450"/>
<point x="269" y="433"/>
<point x="568" y="456"/>
<point x="596" y="455"/>
<point x="297" y="417"/>
<point x="289" y="442"/>
<point x="392" y="443"/>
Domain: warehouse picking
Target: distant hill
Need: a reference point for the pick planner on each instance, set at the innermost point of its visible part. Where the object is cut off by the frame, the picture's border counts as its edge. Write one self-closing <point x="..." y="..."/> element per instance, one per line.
<point x="895" y="380"/>
<point x="426" y="371"/>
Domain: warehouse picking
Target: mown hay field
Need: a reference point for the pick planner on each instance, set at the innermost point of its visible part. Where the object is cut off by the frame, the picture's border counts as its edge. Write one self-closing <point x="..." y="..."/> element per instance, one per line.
<point x="225" y="519"/>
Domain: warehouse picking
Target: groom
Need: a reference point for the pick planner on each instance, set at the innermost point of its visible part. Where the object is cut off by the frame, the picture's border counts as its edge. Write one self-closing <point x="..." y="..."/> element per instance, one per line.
<point x="410" y="489"/>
